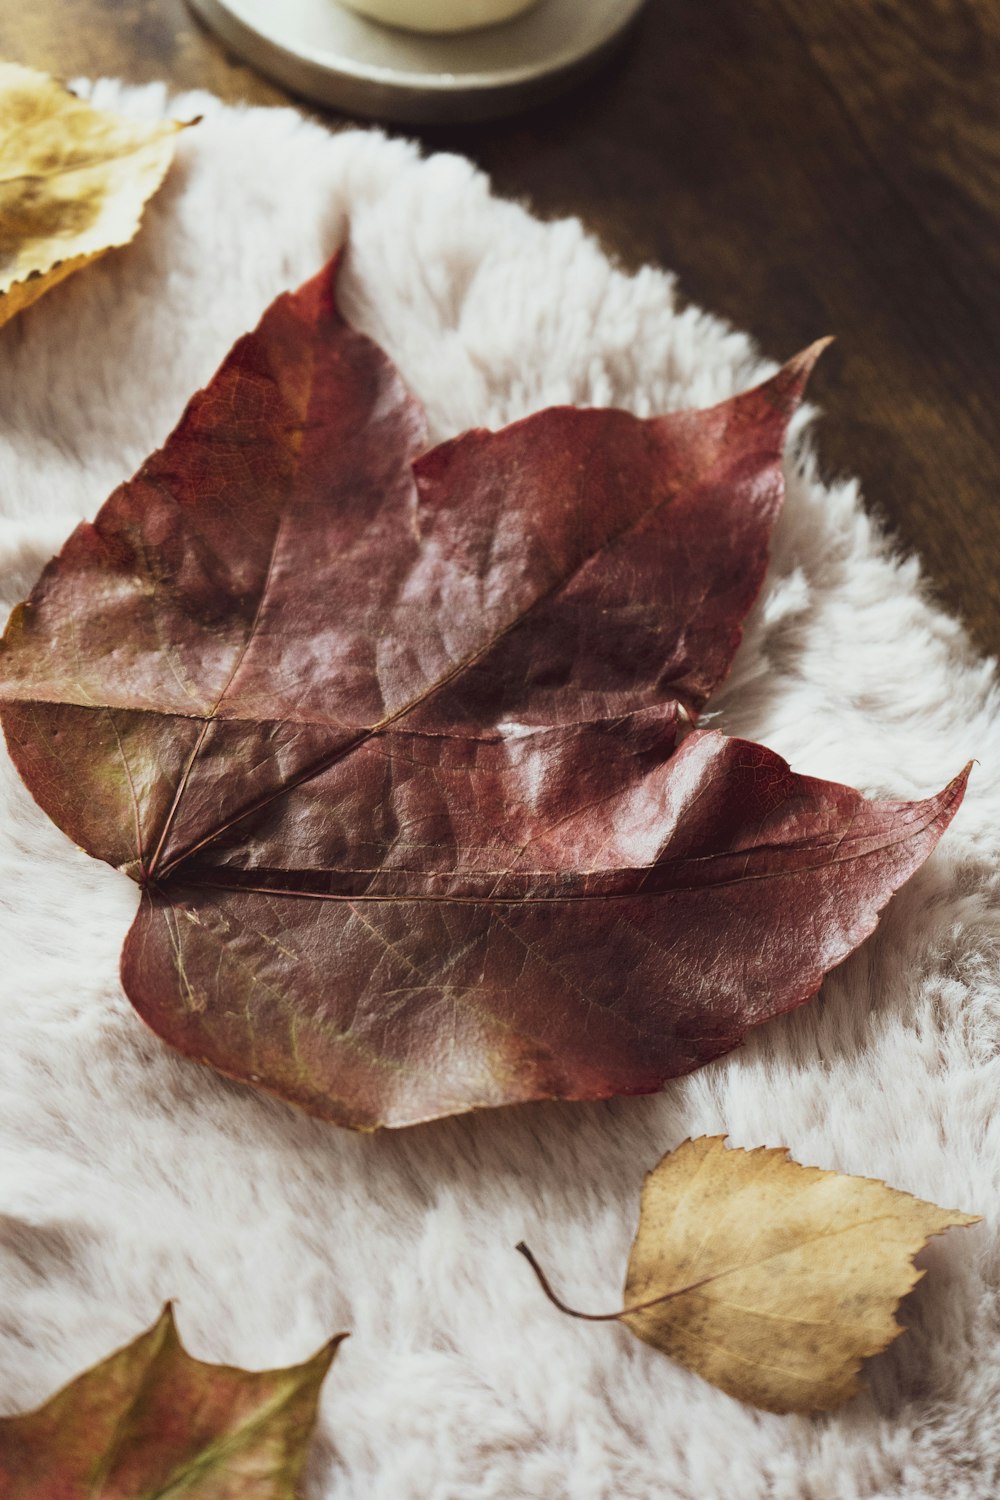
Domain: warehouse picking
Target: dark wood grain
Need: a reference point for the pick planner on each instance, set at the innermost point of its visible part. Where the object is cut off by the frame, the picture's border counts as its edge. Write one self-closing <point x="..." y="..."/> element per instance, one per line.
<point x="804" y="168"/>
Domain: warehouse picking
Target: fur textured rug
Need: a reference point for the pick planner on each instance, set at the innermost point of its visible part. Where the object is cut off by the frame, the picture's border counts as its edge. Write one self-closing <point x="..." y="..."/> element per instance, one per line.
<point x="129" y="1176"/>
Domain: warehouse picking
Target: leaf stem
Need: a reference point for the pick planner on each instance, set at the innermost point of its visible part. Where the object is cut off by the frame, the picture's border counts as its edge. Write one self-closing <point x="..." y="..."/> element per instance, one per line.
<point x="612" y="1317"/>
<point x="543" y="1281"/>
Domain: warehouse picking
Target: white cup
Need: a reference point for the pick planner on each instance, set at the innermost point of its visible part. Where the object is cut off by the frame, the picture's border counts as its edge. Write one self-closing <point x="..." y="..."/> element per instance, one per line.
<point x="439" y="15"/>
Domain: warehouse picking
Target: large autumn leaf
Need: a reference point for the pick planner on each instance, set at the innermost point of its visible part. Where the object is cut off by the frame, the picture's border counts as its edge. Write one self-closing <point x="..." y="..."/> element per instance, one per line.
<point x="772" y="1280"/>
<point x="387" y="737"/>
<point x="149" y="1421"/>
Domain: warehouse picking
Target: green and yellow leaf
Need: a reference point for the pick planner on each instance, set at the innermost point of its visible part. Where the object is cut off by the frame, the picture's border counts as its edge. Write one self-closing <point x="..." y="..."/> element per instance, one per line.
<point x="150" y="1421"/>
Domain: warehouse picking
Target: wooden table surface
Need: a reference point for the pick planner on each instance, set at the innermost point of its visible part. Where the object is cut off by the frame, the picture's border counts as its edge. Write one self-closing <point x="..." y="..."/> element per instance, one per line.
<point x="804" y="167"/>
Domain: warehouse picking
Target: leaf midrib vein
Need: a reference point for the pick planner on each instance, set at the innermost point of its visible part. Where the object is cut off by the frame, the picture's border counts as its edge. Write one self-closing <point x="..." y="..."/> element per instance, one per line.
<point x="88" y="165"/>
<point x="494" y="900"/>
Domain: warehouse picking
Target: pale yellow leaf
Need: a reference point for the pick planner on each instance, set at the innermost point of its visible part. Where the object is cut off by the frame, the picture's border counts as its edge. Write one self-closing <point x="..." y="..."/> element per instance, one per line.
<point x="775" y="1280"/>
<point x="771" y="1280"/>
<point x="73" y="182"/>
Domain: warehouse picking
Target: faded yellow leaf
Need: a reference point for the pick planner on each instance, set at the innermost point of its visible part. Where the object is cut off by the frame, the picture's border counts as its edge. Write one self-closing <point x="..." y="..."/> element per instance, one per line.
<point x="151" y="1421"/>
<point x="73" y="182"/>
<point x="772" y="1280"/>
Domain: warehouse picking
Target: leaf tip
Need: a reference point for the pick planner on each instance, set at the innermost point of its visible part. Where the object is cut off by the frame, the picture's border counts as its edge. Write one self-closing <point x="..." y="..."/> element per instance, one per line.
<point x="791" y="380"/>
<point x="329" y="1349"/>
<point x="167" y="1321"/>
<point x="950" y="798"/>
<point x="314" y="1370"/>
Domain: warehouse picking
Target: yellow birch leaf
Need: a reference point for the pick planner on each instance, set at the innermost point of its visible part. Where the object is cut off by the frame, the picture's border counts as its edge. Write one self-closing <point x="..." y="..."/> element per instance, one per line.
<point x="772" y="1280"/>
<point x="151" y="1421"/>
<point x="73" y="182"/>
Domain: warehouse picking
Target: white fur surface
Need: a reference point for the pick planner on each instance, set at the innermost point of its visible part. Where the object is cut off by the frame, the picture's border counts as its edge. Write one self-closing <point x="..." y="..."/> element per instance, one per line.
<point x="129" y="1176"/>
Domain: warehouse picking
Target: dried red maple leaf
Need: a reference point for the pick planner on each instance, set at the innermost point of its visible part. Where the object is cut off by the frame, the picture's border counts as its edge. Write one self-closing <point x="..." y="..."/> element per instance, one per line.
<point x="386" y="737"/>
<point x="149" y="1421"/>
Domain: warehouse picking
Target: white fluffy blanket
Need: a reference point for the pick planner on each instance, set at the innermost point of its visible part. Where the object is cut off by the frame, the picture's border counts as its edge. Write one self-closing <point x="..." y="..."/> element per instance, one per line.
<point x="129" y="1176"/>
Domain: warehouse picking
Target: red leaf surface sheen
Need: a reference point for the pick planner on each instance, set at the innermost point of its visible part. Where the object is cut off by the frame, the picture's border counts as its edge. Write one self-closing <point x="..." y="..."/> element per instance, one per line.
<point x="389" y="739"/>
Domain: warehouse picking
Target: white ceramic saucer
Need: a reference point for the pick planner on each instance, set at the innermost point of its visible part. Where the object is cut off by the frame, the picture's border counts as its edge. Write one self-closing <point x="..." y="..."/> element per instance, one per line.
<point x="319" y="49"/>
